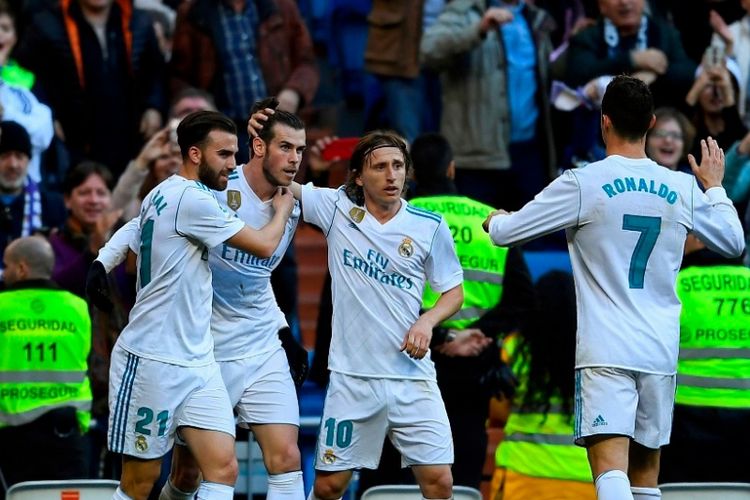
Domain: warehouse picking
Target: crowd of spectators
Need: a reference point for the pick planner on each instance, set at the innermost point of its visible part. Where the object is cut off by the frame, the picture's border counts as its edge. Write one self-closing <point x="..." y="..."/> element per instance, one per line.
<point x="91" y="91"/>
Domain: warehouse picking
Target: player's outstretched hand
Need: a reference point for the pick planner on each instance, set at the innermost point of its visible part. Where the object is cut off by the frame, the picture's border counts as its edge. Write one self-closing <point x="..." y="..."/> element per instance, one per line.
<point x="296" y="355"/>
<point x="97" y="287"/>
<point x="417" y="340"/>
<point x="710" y="172"/>
<point x="283" y="201"/>
<point x="486" y="223"/>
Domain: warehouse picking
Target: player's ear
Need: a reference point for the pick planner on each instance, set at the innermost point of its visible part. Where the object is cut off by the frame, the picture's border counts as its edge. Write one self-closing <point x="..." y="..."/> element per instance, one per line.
<point x="259" y="147"/>
<point x="195" y="155"/>
<point x="358" y="178"/>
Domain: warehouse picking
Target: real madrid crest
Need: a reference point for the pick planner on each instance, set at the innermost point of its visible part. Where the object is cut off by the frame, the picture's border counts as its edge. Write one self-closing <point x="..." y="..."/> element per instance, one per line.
<point x="234" y="199"/>
<point x="406" y="249"/>
<point x="329" y="457"/>
<point x="140" y="444"/>
<point x="357" y="214"/>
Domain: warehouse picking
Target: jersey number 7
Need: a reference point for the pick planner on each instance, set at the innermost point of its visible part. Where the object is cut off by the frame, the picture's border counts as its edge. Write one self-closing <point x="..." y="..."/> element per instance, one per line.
<point x="649" y="227"/>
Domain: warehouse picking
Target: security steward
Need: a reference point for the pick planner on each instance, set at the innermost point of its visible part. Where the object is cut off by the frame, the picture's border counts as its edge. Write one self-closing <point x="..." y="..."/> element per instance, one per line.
<point x="710" y="438"/>
<point x="45" y="396"/>
<point x="498" y="294"/>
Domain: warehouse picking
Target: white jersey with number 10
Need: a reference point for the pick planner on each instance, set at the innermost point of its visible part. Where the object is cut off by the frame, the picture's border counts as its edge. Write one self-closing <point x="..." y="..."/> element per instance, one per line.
<point x="378" y="272"/>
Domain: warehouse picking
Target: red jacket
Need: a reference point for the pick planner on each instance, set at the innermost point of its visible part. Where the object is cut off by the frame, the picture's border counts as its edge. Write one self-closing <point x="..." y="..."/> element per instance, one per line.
<point x="285" y="50"/>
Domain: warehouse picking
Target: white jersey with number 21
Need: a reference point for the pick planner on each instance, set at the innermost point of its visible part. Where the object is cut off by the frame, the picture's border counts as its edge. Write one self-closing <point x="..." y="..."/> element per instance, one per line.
<point x="180" y="220"/>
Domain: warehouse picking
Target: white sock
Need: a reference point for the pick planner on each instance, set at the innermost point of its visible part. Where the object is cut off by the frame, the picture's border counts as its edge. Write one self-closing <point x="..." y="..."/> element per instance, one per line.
<point x="169" y="492"/>
<point x="286" y="486"/>
<point x="640" y="493"/>
<point x="613" y="485"/>
<point x="214" y="491"/>
<point x="120" y="495"/>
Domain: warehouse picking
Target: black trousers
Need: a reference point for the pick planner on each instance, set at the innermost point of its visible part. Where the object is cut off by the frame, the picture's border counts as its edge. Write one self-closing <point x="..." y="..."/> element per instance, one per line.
<point x="50" y="447"/>
<point x="707" y="444"/>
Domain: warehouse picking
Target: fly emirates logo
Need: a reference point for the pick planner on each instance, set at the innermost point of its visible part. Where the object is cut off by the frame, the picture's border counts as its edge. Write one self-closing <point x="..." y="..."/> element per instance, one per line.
<point x="374" y="267"/>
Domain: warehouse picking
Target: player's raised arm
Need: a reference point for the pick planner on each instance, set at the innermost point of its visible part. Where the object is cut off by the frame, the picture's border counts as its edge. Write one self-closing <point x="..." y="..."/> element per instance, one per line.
<point x="715" y="219"/>
<point x="555" y="208"/>
<point x="263" y="242"/>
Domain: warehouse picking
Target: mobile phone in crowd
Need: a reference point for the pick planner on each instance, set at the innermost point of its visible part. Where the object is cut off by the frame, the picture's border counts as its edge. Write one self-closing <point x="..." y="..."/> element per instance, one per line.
<point x="714" y="56"/>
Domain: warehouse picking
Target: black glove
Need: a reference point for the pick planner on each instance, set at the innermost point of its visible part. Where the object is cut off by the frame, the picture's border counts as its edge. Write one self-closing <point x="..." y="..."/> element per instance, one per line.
<point x="499" y="381"/>
<point x="296" y="355"/>
<point x="97" y="287"/>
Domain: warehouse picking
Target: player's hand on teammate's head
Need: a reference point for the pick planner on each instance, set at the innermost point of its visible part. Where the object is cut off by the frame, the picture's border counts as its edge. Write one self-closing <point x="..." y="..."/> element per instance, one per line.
<point x="486" y="223"/>
<point x="97" y="287"/>
<point x="296" y="356"/>
<point x="710" y="172"/>
<point x="259" y="114"/>
<point x="283" y="201"/>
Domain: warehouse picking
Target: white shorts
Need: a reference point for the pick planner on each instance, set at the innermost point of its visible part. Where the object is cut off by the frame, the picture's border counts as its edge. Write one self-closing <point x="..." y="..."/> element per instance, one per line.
<point x="261" y="389"/>
<point x="149" y="400"/>
<point x="359" y="413"/>
<point x="624" y="402"/>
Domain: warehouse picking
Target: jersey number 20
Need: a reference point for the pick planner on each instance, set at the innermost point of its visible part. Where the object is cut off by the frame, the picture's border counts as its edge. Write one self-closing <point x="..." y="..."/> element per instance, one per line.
<point x="649" y="227"/>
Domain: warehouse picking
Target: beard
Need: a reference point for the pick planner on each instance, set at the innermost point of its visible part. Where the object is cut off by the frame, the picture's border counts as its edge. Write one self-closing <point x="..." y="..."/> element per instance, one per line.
<point x="210" y="178"/>
<point x="268" y="174"/>
<point x="12" y="186"/>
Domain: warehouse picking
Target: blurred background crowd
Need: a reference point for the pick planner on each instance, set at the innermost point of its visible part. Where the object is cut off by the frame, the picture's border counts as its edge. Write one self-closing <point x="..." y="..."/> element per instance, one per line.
<point x="91" y="91"/>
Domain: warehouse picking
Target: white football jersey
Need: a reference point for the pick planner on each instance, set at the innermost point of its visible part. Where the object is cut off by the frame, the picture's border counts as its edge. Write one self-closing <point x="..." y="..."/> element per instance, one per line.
<point x="246" y="318"/>
<point x="626" y="222"/>
<point x="378" y="272"/>
<point x="180" y="220"/>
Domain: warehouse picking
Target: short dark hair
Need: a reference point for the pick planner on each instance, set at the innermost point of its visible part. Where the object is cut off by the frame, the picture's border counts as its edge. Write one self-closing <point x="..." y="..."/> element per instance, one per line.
<point x="431" y="154"/>
<point x="279" y="117"/>
<point x="629" y="104"/>
<point x="195" y="127"/>
<point x="78" y="175"/>
<point x="370" y="142"/>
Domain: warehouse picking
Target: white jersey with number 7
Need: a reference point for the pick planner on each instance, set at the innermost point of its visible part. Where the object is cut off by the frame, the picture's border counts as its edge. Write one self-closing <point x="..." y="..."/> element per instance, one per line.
<point x="626" y="221"/>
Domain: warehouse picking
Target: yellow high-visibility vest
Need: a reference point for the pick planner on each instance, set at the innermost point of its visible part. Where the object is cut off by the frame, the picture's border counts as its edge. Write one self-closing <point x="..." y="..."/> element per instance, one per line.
<point x="713" y="368"/>
<point x="45" y="339"/>
<point x="483" y="263"/>
<point x="538" y="444"/>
